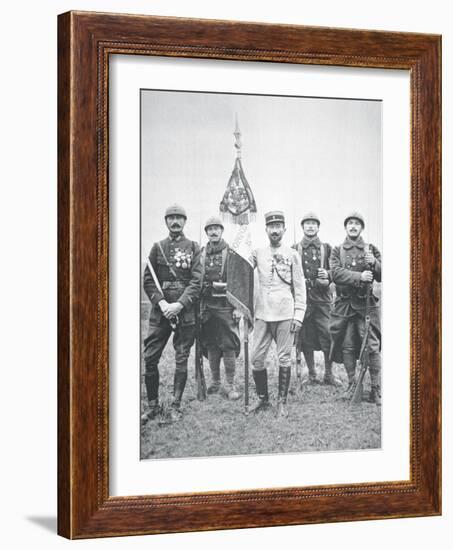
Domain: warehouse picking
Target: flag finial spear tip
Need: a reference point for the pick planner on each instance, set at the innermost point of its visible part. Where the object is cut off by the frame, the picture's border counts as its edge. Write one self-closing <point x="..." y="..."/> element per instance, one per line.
<point x="237" y="135"/>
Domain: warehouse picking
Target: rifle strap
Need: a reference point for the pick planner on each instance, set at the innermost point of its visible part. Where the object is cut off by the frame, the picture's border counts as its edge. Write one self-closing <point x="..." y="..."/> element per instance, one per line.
<point x="323" y="255"/>
<point x="203" y="264"/>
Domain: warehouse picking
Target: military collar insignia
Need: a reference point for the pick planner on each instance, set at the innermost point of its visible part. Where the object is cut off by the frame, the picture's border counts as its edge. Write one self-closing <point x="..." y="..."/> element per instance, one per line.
<point x="176" y="237"/>
<point x="306" y="242"/>
<point x="349" y="243"/>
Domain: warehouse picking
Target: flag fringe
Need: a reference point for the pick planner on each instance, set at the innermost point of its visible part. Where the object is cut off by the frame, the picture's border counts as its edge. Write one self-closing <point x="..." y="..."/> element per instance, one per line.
<point x="241" y="219"/>
<point x="246" y="313"/>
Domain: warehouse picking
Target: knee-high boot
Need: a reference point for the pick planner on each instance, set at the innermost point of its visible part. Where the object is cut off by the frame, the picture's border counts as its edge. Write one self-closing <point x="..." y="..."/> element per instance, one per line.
<point x="310" y="360"/>
<point x="214" y="356"/>
<point x="229" y="360"/>
<point x="349" y="361"/>
<point x="329" y="378"/>
<point x="152" y="393"/>
<point x="260" y="378"/>
<point x="179" y="383"/>
<point x="375" y="375"/>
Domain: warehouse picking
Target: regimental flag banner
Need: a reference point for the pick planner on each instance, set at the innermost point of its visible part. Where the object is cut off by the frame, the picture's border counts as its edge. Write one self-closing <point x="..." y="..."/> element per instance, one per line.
<point x="240" y="273"/>
<point x="238" y="204"/>
<point x="239" y="208"/>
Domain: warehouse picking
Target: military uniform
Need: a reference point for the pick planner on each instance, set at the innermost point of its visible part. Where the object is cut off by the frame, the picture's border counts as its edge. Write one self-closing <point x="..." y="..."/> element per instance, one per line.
<point x="314" y="334"/>
<point x="281" y="298"/>
<point x="219" y="332"/>
<point x="347" y="325"/>
<point x="176" y="262"/>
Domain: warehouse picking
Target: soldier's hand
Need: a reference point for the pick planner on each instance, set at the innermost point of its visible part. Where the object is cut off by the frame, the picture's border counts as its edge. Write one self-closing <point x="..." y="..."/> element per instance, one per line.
<point x="173" y="310"/>
<point x="366" y="276"/>
<point x="296" y="325"/>
<point x="163" y="304"/>
<point x="369" y="258"/>
<point x="236" y="315"/>
<point x="322" y="273"/>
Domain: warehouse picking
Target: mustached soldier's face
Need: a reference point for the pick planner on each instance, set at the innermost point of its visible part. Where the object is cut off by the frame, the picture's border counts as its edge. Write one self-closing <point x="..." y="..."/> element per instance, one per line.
<point x="175" y="223"/>
<point x="275" y="232"/>
<point x="214" y="233"/>
<point x="354" y="228"/>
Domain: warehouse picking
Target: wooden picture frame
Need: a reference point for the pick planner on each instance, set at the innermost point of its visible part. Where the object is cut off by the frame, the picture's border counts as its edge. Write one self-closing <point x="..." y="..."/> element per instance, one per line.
<point x="85" y="42"/>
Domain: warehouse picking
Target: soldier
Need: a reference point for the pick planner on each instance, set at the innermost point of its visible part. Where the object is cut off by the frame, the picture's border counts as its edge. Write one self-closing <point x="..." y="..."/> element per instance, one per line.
<point x="176" y="263"/>
<point x="219" y="334"/>
<point x="314" y="334"/>
<point x="354" y="265"/>
<point x="279" y="311"/>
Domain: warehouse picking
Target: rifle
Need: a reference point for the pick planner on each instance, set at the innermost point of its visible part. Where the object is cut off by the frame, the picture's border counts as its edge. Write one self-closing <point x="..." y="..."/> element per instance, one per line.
<point x="199" y="372"/>
<point x="357" y="389"/>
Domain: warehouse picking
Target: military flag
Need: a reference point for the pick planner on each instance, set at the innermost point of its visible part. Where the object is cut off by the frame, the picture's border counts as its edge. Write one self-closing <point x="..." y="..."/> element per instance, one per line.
<point x="238" y="207"/>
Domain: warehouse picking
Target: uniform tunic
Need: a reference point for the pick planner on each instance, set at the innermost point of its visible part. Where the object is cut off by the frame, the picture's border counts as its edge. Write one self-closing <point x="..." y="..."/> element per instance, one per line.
<point x="314" y="334"/>
<point x="180" y="280"/>
<point x="281" y="293"/>
<point x="219" y="330"/>
<point x="281" y="297"/>
<point x="347" y="324"/>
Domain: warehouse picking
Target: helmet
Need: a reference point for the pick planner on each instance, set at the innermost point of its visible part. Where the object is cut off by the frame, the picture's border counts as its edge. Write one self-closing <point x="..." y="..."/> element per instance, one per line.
<point x="310" y="216"/>
<point x="175" y="210"/>
<point x="357" y="216"/>
<point x="213" y="220"/>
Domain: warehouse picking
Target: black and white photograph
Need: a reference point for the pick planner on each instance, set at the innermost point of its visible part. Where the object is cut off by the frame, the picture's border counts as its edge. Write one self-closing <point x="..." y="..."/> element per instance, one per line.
<point x="261" y="287"/>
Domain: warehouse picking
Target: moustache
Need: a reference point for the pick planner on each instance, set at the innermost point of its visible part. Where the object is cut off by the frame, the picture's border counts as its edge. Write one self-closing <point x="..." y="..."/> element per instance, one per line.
<point x="274" y="234"/>
<point x="175" y="226"/>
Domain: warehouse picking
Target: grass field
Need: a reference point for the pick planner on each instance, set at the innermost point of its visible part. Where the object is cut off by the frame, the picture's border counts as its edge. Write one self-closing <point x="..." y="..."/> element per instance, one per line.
<point x="318" y="420"/>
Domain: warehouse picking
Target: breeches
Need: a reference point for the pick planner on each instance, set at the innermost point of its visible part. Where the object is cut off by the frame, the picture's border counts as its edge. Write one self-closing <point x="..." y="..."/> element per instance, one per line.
<point x="219" y="331"/>
<point x="263" y="334"/>
<point x="353" y="337"/>
<point x="158" y="336"/>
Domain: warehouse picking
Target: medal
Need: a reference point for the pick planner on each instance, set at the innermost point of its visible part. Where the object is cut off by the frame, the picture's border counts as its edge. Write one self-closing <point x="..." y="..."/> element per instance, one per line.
<point x="184" y="265"/>
<point x="353" y="262"/>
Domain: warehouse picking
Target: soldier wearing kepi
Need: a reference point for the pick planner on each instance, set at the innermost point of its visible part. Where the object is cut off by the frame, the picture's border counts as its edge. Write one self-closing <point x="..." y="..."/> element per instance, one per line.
<point x="219" y="333"/>
<point x="173" y="289"/>
<point x="279" y="310"/>
<point x="315" y="334"/>
<point x="354" y="265"/>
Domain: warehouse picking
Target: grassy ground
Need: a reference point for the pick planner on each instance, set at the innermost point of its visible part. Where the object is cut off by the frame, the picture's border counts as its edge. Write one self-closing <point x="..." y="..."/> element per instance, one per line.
<point x="317" y="420"/>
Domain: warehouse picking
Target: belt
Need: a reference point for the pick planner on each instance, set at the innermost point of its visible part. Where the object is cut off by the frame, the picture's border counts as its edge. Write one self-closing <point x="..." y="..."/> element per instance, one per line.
<point x="176" y="285"/>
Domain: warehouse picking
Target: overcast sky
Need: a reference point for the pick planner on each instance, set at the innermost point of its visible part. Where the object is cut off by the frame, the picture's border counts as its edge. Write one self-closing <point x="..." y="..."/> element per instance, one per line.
<point x="299" y="154"/>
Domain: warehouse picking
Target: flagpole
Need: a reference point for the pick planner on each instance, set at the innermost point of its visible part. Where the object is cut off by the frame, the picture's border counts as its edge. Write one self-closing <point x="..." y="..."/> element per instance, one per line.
<point x="238" y="146"/>
<point x="246" y="365"/>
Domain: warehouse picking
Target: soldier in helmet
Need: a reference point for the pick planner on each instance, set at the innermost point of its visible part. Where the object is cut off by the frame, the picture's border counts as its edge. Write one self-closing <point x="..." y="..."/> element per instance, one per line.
<point x="176" y="265"/>
<point x="219" y="334"/>
<point x="279" y="312"/>
<point x="354" y="265"/>
<point x="314" y="334"/>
